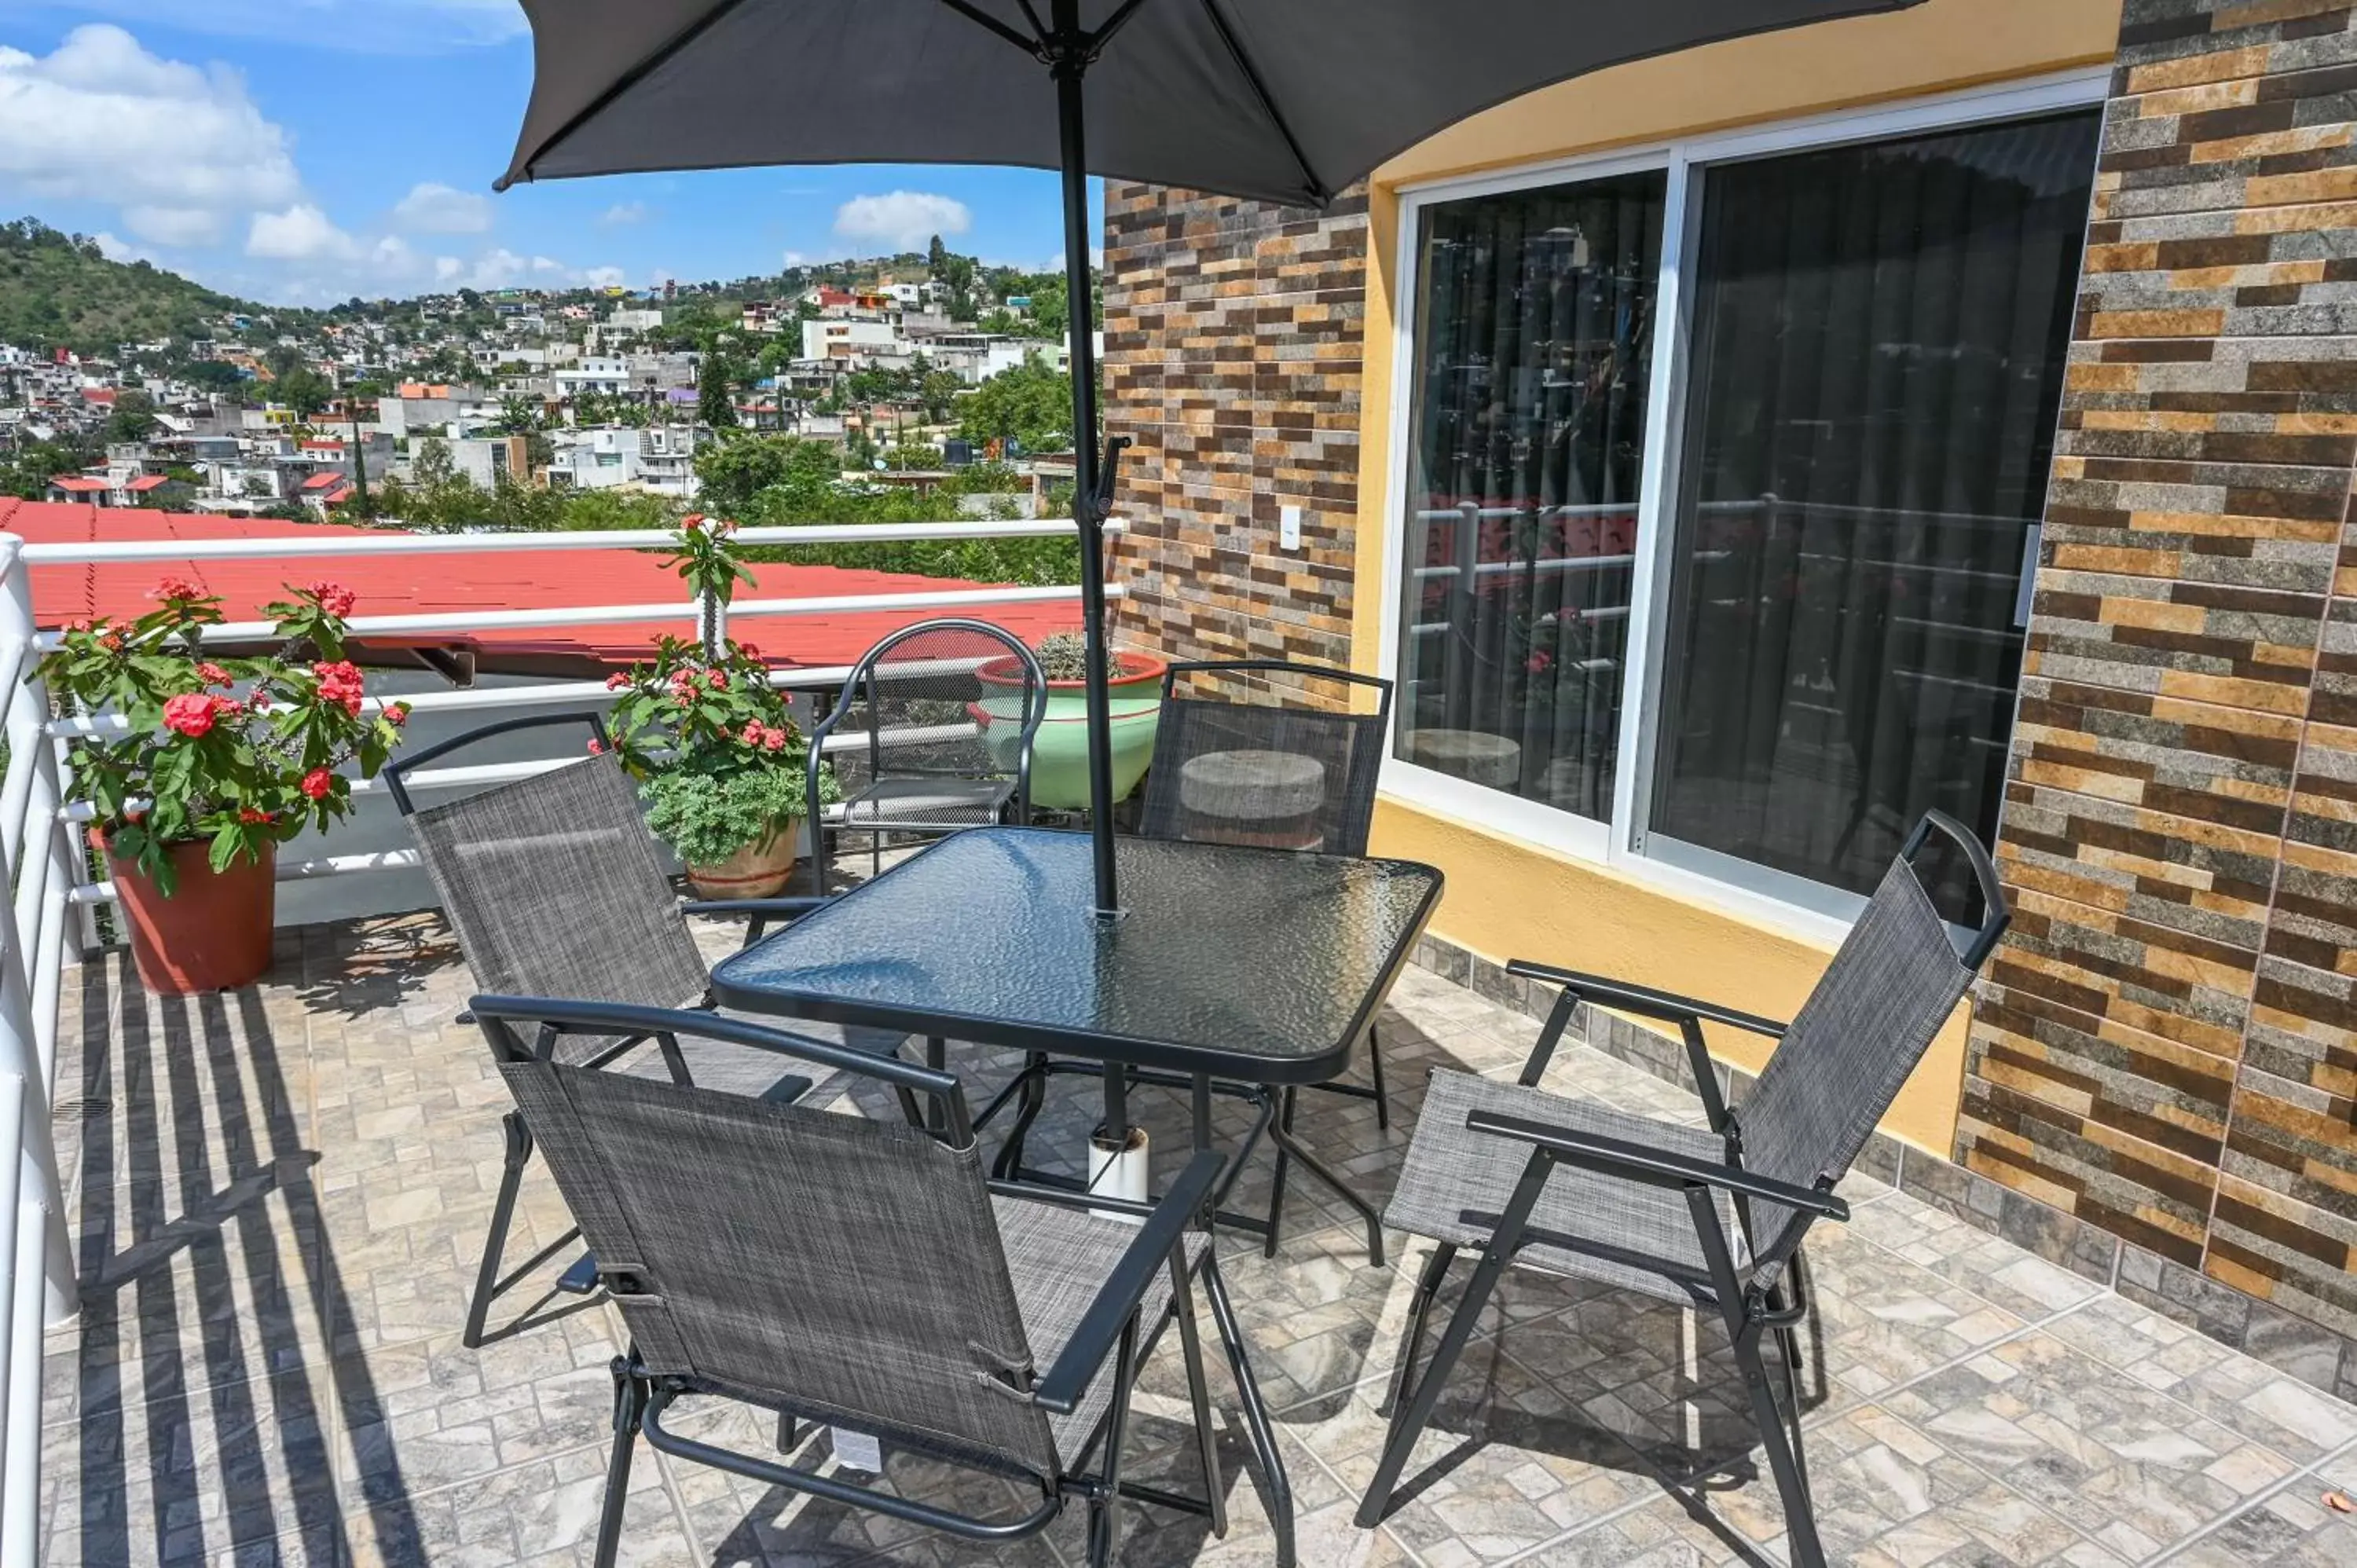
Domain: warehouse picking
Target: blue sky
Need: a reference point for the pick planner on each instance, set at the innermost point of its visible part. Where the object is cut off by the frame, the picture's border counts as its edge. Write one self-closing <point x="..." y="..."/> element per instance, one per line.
<point x="304" y="151"/>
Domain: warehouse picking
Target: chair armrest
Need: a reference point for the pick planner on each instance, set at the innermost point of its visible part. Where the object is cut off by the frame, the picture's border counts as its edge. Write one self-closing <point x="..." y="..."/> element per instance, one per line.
<point x="1655" y="1167"/>
<point x="757" y="912"/>
<point x="1164" y="1232"/>
<point x="1642" y="1000"/>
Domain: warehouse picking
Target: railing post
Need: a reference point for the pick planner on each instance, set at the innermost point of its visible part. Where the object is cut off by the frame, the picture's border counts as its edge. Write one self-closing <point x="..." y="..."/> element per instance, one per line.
<point x="43" y="882"/>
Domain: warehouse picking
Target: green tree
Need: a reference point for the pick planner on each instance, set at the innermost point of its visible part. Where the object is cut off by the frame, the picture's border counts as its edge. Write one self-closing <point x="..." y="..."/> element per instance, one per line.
<point x="133" y="417"/>
<point x="1031" y="404"/>
<point x="304" y="390"/>
<point x="715" y="387"/>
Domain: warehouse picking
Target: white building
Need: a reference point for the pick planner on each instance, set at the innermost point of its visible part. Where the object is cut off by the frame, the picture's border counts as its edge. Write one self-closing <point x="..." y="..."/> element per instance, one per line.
<point x="609" y="374"/>
<point x="660" y="459"/>
<point x="833" y="339"/>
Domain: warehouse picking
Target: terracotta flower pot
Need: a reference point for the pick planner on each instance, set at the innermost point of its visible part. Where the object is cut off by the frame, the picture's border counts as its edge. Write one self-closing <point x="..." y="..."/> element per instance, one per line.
<point x="212" y="934"/>
<point x="757" y="871"/>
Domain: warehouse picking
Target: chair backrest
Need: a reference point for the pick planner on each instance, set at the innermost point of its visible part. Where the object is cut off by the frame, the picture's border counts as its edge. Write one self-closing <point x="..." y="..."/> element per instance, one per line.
<point x="554" y="886"/>
<point x="942" y="698"/>
<point x="843" y="1270"/>
<point x="1239" y="758"/>
<point x="1893" y="983"/>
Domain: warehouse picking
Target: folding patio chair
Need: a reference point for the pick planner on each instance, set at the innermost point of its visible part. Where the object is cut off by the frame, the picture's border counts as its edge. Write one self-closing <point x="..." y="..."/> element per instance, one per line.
<point x="1232" y="770"/>
<point x="554" y="887"/>
<point x="939" y="718"/>
<point x="864" y="1275"/>
<point x="1702" y="1218"/>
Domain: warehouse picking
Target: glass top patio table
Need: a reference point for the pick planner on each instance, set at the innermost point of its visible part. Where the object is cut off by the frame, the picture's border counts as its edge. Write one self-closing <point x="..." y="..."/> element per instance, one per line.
<point x="1264" y="965"/>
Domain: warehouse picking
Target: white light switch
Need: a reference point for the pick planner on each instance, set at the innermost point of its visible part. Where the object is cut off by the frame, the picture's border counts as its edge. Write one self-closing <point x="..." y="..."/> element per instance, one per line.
<point x="1288" y="527"/>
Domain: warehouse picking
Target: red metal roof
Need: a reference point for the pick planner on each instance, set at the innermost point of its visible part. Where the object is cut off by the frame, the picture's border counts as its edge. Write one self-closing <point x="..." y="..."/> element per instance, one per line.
<point x="321" y="480"/>
<point x="80" y="484"/>
<point x="522" y="579"/>
<point x="146" y="482"/>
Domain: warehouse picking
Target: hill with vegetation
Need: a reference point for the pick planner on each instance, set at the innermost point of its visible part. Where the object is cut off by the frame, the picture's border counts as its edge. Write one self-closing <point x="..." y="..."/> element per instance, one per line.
<point x="58" y="291"/>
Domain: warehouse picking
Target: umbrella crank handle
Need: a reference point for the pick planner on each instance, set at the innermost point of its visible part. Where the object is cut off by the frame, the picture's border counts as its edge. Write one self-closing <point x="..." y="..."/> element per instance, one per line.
<point x="1102" y="508"/>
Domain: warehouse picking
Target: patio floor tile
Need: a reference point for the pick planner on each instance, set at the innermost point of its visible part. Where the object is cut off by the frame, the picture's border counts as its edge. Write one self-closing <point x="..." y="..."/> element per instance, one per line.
<point x="281" y="1194"/>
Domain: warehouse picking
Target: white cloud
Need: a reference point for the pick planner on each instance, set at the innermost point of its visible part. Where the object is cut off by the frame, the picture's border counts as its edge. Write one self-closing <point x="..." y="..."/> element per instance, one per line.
<point x="623" y="213"/>
<point x="174" y="225"/>
<point x="367" y="26"/>
<point x="115" y="250"/>
<point x="301" y="233"/>
<point x="431" y="208"/>
<point x="603" y="277"/>
<point x="447" y="267"/>
<point x="101" y="120"/>
<point x="904" y="221"/>
<point x="794" y="258"/>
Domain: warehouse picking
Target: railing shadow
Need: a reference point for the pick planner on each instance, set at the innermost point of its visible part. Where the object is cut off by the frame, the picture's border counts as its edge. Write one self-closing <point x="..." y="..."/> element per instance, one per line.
<point x="216" y="1326"/>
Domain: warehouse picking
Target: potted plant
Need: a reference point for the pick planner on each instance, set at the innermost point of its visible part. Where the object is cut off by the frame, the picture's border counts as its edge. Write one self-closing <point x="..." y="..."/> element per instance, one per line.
<point x="722" y="764"/>
<point x="224" y="760"/>
<point x="1060" y="755"/>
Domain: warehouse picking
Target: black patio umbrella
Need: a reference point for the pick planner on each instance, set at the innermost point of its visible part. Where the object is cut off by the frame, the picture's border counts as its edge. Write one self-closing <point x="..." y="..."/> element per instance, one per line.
<point x="1284" y="100"/>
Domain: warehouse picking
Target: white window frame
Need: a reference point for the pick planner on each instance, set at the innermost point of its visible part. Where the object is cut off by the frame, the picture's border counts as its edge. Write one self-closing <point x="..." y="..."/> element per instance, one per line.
<point x="1811" y="910"/>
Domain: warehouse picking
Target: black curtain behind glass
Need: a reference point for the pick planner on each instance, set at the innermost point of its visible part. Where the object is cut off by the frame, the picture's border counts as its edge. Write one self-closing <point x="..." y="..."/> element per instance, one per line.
<point x="1534" y="352"/>
<point x="1878" y="344"/>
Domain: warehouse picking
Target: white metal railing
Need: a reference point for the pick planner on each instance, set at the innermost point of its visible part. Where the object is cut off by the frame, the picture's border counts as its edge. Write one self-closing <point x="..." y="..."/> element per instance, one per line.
<point x="41" y="838"/>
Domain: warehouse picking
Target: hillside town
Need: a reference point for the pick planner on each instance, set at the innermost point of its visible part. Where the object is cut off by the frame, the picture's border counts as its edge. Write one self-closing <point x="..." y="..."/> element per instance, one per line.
<point x="927" y="379"/>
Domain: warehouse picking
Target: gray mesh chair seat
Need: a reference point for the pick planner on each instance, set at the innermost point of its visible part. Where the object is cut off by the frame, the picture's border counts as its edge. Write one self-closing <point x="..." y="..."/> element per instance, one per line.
<point x="1059" y="1259"/>
<point x="921" y="803"/>
<point x="866" y="1275"/>
<point x="1710" y="1218"/>
<point x="554" y="887"/>
<point x="1456" y="1183"/>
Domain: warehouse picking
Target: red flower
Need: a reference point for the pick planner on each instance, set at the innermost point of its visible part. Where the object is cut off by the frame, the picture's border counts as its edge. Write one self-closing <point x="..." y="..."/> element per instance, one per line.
<point x="1539" y="662"/>
<point x="172" y="588"/>
<point x="333" y="598"/>
<point x="691" y="522"/>
<point x="192" y="713"/>
<point x="261" y="702"/>
<point x="317" y="783"/>
<point x="747" y="650"/>
<point x="774" y="741"/>
<point x="248" y="814"/>
<point x="719" y="679"/>
<point x="397" y="715"/>
<point x="597" y="747"/>
<point x="212" y="674"/>
<point x="110" y="639"/>
<point x="617" y="681"/>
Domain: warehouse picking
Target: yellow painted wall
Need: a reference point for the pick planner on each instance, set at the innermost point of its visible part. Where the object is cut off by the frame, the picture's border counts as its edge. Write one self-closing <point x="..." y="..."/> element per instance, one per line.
<point x="1508" y="898"/>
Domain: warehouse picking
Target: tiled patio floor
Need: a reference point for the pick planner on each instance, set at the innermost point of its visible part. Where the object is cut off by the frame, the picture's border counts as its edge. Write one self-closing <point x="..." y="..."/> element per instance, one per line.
<point x="281" y="1192"/>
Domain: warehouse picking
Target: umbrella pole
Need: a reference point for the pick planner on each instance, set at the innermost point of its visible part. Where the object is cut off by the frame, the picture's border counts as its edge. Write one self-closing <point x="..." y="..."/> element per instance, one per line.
<point x="1069" y="60"/>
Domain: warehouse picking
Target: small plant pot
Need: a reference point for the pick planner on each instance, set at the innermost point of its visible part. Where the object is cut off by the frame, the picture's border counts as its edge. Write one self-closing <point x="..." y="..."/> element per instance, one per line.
<point x="759" y="870"/>
<point x="212" y="934"/>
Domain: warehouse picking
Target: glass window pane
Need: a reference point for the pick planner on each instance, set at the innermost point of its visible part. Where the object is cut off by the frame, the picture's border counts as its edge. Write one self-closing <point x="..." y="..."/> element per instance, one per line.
<point x="1877" y="353"/>
<point x="1534" y="328"/>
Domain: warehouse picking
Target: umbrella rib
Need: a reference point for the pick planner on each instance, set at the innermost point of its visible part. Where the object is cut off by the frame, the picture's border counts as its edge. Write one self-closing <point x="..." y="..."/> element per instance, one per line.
<point x="982" y="18"/>
<point x="1309" y="180"/>
<point x="1113" y="23"/>
<point x="624" y="83"/>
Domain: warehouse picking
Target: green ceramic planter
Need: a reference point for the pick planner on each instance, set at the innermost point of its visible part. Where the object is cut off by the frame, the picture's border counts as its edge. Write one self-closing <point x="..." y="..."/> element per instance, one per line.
<point x="1060" y="757"/>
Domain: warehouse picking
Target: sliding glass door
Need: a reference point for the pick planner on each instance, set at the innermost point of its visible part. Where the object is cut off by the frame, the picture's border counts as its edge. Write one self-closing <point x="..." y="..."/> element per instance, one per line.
<point x="1852" y="452"/>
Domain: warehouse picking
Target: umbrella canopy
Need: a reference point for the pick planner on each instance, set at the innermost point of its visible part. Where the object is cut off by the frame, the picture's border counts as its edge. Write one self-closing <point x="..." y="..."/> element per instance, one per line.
<point x="1286" y="101"/>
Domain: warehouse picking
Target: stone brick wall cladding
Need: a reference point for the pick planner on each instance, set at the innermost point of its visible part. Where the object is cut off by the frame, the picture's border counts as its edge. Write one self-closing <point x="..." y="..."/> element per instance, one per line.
<point x="1232" y="358"/>
<point x="2166" y="1045"/>
<point x="2163" y="1059"/>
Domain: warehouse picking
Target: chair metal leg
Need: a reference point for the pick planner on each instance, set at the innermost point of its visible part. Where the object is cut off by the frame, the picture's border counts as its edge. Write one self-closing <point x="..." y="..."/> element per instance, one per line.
<point x="1788" y="1347"/>
<point x="1277" y="1490"/>
<point x="1276" y="1180"/>
<point x="1409" y="1415"/>
<point x="1105" y="1518"/>
<point x="1375" y="1067"/>
<point x="1782" y="1446"/>
<point x="1034" y="1099"/>
<point x="1409" y="1418"/>
<point x="1427" y="1287"/>
<point x="486" y="1277"/>
<point x="1207" y="1442"/>
<point x="629" y="1405"/>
